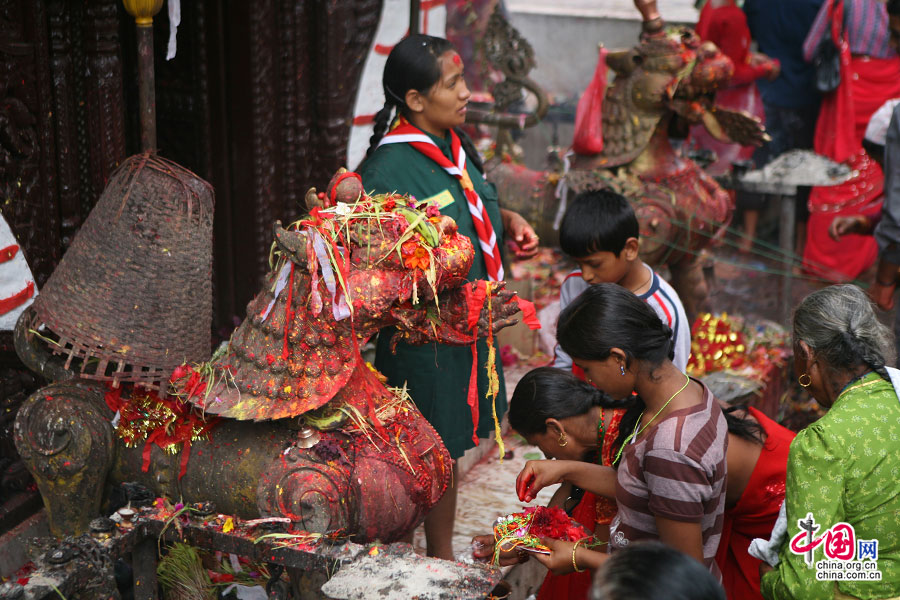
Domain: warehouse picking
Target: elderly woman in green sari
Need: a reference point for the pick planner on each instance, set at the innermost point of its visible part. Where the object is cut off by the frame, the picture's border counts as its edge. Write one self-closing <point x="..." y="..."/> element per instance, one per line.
<point x="843" y="474"/>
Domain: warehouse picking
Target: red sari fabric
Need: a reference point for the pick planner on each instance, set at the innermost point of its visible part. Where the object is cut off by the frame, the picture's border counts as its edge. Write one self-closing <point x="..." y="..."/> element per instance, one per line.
<point x="726" y="27"/>
<point x="755" y="513"/>
<point x="592" y="509"/>
<point x="866" y="84"/>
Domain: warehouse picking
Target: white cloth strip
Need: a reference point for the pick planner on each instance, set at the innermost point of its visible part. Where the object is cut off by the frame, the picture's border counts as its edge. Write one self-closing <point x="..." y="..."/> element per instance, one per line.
<point x="279" y="285"/>
<point x="402" y="138"/>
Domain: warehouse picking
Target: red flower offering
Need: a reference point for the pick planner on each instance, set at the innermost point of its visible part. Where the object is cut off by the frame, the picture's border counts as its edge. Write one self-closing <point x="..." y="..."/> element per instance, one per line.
<point x="525" y="529"/>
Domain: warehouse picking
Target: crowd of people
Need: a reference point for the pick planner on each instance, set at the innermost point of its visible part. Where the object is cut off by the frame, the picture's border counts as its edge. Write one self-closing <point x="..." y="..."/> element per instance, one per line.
<point x="794" y="40"/>
<point x="686" y="497"/>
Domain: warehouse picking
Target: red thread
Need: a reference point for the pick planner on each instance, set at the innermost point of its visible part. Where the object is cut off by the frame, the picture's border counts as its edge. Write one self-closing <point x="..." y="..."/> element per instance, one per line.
<point x="341" y="177"/>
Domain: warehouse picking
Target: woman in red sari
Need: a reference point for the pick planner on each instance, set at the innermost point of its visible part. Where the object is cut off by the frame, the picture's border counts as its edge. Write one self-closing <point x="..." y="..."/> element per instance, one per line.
<point x="569" y="419"/>
<point x="870" y="76"/>
<point x="755" y="491"/>
<point x="723" y="23"/>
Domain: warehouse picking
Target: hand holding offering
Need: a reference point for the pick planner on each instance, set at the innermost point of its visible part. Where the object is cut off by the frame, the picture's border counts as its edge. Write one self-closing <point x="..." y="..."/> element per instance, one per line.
<point x="524" y="530"/>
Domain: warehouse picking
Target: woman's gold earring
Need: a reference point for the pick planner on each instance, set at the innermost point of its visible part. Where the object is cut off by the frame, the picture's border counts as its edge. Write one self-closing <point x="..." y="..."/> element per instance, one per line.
<point x="807" y="382"/>
<point x="562" y="441"/>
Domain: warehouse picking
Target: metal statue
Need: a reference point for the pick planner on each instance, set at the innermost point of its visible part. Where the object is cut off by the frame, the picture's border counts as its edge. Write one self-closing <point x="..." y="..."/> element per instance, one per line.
<point x="668" y="81"/>
<point x="288" y="419"/>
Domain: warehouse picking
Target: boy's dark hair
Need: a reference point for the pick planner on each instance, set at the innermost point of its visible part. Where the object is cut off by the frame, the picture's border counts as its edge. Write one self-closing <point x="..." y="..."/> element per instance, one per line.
<point x="654" y="571"/>
<point x="597" y="221"/>
<point x="893" y="8"/>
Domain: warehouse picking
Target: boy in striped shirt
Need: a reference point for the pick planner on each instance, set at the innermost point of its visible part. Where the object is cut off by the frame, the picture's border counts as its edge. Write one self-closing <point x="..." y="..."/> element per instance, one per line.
<point x="600" y="232"/>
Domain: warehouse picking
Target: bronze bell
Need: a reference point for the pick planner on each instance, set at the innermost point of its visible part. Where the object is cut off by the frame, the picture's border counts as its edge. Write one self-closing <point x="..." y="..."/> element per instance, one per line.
<point x="307" y="437"/>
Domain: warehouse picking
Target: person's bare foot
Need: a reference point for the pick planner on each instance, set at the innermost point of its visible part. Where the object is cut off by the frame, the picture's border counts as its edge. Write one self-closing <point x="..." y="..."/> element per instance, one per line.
<point x="745" y="245"/>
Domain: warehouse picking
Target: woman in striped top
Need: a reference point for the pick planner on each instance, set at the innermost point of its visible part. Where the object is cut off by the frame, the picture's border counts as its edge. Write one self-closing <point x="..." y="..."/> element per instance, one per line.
<point x="670" y="485"/>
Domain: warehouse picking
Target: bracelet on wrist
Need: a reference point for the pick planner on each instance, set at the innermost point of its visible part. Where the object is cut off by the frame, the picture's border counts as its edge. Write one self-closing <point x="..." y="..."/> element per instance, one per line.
<point x="574" y="563"/>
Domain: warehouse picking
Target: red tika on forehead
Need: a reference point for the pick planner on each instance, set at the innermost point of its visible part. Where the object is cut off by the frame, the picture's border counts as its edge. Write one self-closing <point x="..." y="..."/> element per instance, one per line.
<point x="457" y="60"/>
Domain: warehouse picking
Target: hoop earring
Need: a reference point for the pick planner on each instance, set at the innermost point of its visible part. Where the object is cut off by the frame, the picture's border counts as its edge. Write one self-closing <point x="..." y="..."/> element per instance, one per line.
<point x="563" y="440"/>
<point x="622" y="368"/>
<point x="808" y="380"/>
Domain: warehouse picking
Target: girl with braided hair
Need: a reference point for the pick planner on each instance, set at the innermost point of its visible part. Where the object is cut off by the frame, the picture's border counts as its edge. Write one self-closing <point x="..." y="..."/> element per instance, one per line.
<point x="417" y="149"/>
<point x="844" y="467"/>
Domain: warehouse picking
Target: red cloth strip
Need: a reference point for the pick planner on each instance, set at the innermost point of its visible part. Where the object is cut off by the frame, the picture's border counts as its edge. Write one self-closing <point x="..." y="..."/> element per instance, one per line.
<point x="474" y="302"/>
<point x="529" y="314"/>
<point x="185" y="455"/>
<point x="472" y="396"/>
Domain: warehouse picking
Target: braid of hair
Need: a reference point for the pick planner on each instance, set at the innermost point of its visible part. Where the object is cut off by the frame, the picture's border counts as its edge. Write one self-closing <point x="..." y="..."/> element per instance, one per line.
<point x="382" y="120"/>
<point x="865" y="354"/>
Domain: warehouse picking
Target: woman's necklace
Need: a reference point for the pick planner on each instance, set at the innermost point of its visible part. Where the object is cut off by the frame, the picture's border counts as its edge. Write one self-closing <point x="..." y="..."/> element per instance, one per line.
<point x="637" y="432"/>
<point x="601" y="433"/>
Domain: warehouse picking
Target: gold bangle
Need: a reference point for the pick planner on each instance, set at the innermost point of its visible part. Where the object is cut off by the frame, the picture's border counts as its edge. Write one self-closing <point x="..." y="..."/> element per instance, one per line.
<point x="575" y="564"/>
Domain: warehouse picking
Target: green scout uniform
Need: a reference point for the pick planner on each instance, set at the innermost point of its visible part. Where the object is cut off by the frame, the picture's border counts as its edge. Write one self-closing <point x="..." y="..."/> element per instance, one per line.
<point x="437" y="375"/>
<point x="845" y="467"/>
